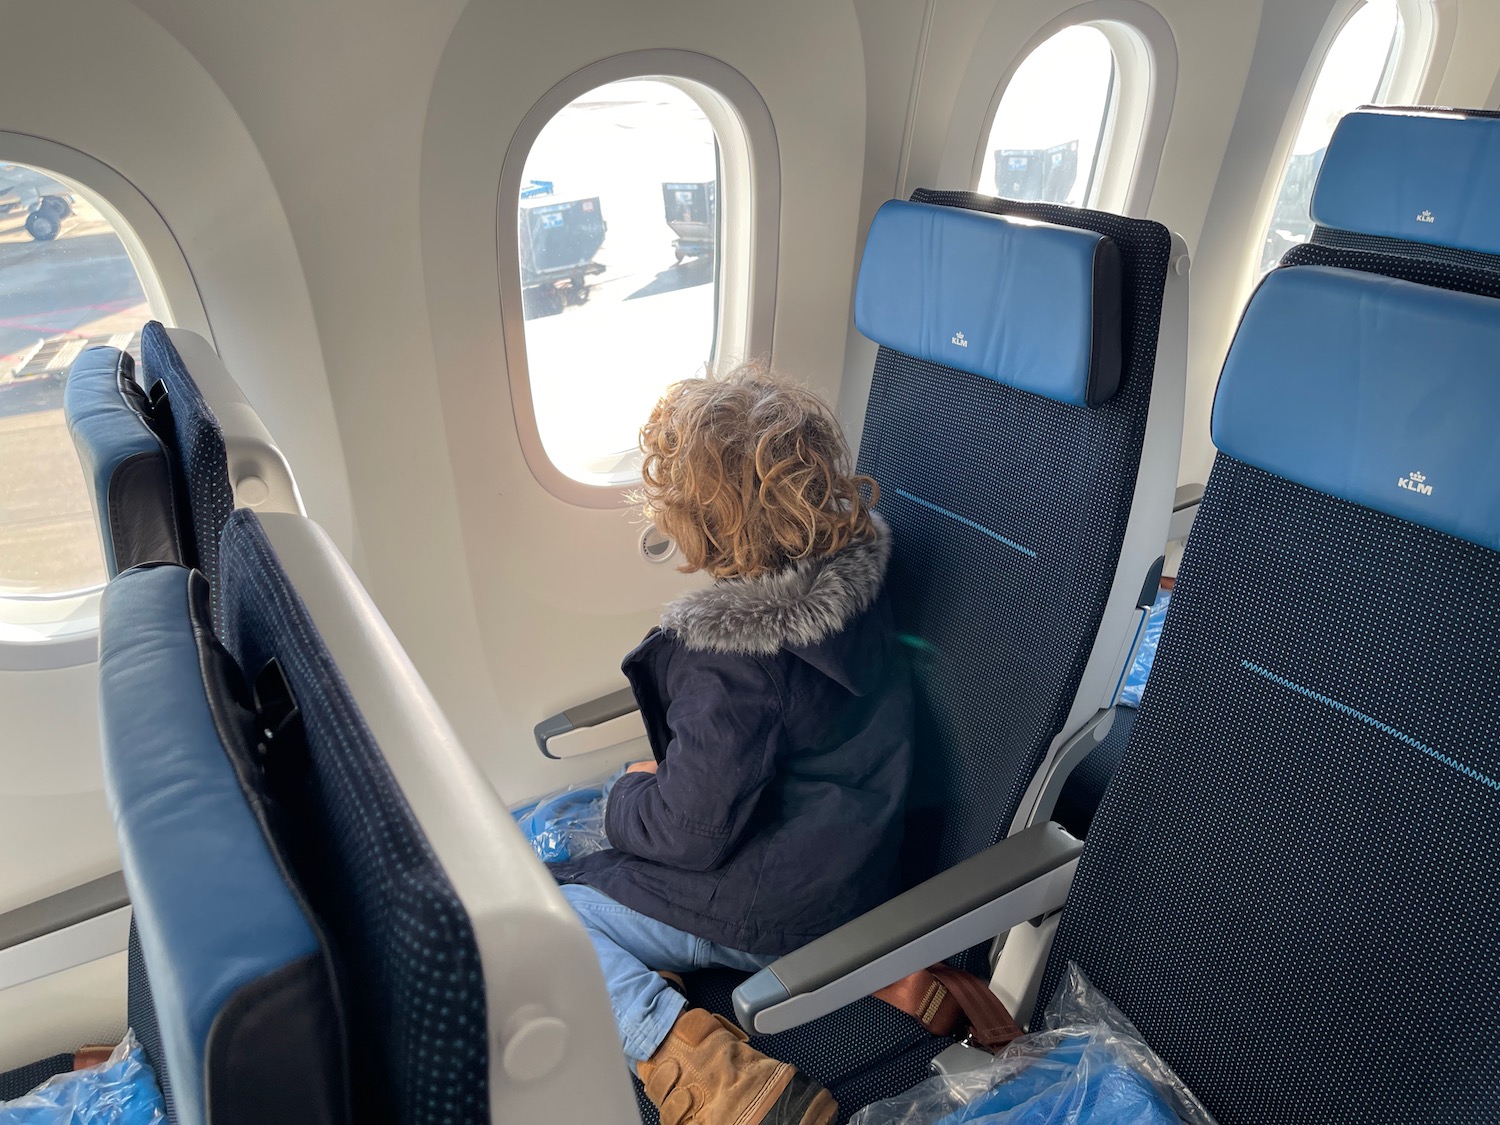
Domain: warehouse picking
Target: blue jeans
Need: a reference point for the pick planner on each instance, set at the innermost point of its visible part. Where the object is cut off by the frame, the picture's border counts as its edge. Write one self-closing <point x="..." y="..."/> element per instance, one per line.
<point x="630" y="948"/>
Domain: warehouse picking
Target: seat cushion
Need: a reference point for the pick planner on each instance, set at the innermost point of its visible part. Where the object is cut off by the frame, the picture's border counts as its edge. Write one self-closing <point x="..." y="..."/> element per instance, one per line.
<point x="1008" y="511"/>
<point x="1435" y="169"/>
<point x="1300" y="839"/>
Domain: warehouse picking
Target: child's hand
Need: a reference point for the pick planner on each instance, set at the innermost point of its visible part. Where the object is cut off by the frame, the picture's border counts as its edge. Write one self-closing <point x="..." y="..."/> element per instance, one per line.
<point x="648" y="766"/>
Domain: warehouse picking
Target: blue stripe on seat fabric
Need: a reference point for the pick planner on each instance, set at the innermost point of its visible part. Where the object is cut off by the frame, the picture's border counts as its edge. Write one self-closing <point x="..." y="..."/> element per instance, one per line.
<point x="1421" y="176"/>
<point x="1384" y="728"/>
<point x="979" y="527"/>
<point x="1375" y="390"/>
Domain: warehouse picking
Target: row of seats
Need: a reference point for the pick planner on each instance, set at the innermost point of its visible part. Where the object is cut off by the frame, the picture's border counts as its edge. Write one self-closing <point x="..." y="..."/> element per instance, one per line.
<point x="1067" y="370"/>
<point x="335" y="918"/>
<point x="1287" y="871"/>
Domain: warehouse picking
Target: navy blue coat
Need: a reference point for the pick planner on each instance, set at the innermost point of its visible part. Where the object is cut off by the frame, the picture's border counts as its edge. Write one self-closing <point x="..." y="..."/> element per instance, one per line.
<point x="780" y="712"/>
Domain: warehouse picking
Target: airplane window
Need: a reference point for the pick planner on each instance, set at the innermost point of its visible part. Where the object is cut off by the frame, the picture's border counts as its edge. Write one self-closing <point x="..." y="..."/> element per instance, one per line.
<point x="1049" y="128"/>
<point x="66" y="284"/>
<point x="618" y="230"/>
<point x="1351" y="75"/>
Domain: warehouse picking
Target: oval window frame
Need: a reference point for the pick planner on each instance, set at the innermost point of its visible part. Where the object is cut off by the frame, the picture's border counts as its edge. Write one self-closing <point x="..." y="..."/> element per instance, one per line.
<point x="1140" y="109"/>
<point x="750" y="171"/>
<point x="31" y="638"/>
<point x="1411" y="74"/>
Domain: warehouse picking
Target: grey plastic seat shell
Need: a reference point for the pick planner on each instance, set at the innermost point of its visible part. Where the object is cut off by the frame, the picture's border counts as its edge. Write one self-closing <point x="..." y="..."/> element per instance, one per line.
<point x="555" y="1054"/>
<point x="258" y="470"/>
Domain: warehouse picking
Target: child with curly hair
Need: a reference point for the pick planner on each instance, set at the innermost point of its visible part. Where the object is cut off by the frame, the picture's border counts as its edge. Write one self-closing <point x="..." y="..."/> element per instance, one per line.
<point x="780" y="721"/>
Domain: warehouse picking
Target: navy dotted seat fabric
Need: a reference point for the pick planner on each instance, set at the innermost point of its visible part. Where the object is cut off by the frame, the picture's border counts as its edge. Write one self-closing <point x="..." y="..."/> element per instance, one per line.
<point x="411" y="983"/>
<point x="1000" y="638"/>
<point x="1292" y="874"/>
<point x="24" y="1079"/>
<point x="1281" y="894"/>
<point x="197" y="446"/>
<point x="141" y="1013"/>
<point x="1002" y="635"/>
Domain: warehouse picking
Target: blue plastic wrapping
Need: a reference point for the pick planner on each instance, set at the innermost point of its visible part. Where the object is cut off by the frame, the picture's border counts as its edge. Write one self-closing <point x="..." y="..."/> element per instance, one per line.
<point x="122" y="1091"/>
<point x="1135" y="681"/>
<point x="1089" y="1066"/>
<point x="569" y="824"/>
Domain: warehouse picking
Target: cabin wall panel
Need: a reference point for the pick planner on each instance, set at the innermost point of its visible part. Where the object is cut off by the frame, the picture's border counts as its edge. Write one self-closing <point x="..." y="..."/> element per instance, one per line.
<point x="126" y="93"/>
<point x="335" y="97"/>
<point x="559" y="592"/>
<point x="1471" y="76"/>
<point x="55" y="829"/>
<point x="101" y="77"/>
<point x="1293" y="37"/>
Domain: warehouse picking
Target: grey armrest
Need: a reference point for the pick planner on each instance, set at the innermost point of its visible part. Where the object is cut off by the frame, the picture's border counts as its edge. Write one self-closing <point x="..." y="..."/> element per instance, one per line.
<point x="66" y="908"/>
<point x="1184" y="509"/>
<point x="1021" y="877"/>
<point x="596" y="712"/>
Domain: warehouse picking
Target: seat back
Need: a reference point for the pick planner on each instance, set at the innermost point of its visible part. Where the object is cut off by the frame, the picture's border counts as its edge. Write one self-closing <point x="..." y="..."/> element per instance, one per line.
<point x="240" y="1017"/>
<point x="1289" y="888"/>
<point x="1019" y="373"/>
<point x="125" y="462"/>
<point x="470" y="991"/>
<point x="170" y="453"/>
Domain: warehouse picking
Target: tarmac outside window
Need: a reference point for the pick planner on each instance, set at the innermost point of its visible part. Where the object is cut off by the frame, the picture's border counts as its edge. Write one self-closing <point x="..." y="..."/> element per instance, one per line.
<point x="618" y="231"/>
<point x="66" y="284"/>
<point x="1049" y="129"/>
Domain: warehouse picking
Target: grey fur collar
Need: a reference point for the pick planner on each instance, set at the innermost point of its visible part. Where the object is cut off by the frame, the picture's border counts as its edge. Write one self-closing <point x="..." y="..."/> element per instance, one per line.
<point x="795" y="607"/>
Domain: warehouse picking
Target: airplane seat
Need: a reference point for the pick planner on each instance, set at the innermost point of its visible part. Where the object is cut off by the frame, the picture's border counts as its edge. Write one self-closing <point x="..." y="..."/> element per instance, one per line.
<point x="1006" y="426"/>
<point x="1357" y="228"/>
<point x="171" y="453"/>
<point x="1023" y="358"/>
<point x="1292" y="869"/>
<point x="470" y="992"/>
<point x="242" y="1022"/>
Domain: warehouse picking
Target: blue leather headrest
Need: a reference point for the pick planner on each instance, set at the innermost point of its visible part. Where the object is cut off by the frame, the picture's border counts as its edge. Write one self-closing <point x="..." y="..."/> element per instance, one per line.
<point x="123" y="460"/>
<point x="1028" y="304"/>
<point x="242" y="991"/>
<point x="1379" y="391"/>
<point x="1428" y="177"/>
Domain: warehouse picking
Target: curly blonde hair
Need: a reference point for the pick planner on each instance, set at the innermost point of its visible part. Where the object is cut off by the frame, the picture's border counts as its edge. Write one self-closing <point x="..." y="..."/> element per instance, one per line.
<point x="748" y="473"/>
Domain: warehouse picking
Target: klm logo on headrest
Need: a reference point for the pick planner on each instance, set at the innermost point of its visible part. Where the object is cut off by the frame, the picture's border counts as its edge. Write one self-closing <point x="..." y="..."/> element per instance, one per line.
<point x="960" y="341"/>
<point x="1426" y="217"/>
<point x="1416" y="483"/>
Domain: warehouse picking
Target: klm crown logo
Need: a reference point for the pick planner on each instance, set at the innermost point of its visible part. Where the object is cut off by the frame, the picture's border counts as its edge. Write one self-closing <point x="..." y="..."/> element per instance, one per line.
<point x="960" y="341"/>
<point x="1417" y="483"/>
<point x="1426" y="217"/>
